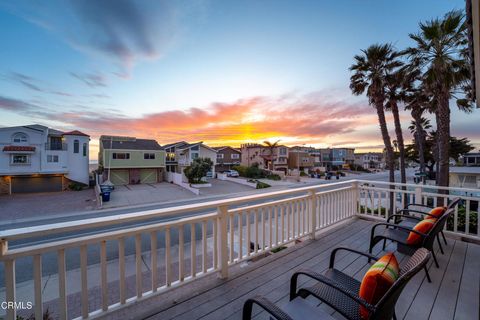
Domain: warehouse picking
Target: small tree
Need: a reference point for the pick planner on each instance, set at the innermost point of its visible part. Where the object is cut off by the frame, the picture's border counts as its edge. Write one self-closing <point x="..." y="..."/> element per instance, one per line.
<point x="198" y="169"/>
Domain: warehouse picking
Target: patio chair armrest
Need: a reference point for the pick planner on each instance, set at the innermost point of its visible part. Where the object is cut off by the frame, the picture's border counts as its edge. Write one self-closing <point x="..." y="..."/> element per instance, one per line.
<point x="417" y="211"/>
<point x="335" y="285"/>
<point x="265" y="304"/>
<point x="402" y="216"/>
<point x="334" y="252"/>
<point x="418" y="205"/>
<point x="397" y="226"/>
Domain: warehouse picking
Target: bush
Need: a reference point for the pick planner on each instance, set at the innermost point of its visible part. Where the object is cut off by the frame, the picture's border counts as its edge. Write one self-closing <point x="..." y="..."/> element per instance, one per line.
<point x="262" y="185"/>
<point x="198" y="169"/>
<point x="274" y="177"/>
<point x="242" y="170"/>
<point x="75" y="186"/>
<point x="303" y="174"/>
<point x="253" y="172"/>
<point x="461" y="219"/>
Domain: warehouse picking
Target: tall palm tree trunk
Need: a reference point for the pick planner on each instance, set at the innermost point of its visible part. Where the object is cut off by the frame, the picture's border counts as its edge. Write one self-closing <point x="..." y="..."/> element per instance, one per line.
<point x="401" y="144"/>
<point x="388" y="147"/>
<point x="443" y="142"/>
<point x="420" y="139"/>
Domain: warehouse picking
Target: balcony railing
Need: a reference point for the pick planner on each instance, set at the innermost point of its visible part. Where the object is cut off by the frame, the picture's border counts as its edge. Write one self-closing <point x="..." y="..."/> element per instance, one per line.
<point x="56" y="146"/>
<point x="208" y="243"/>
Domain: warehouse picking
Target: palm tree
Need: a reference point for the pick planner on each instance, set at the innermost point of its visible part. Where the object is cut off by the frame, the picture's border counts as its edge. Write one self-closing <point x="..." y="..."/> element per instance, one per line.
<point x="440" y="54"/>
<point x="370" y="70"/>
<point x="271" y="147"/>
<point x="395" y="93"/>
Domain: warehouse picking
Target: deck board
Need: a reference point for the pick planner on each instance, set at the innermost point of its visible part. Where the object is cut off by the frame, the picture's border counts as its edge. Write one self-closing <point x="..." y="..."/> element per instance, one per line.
<point x="454" y="292"/>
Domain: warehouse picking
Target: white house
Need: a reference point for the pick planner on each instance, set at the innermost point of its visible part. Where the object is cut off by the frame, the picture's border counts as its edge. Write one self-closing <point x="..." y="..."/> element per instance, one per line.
<point x="465" y="177"/>
<point x="36" y="158"/>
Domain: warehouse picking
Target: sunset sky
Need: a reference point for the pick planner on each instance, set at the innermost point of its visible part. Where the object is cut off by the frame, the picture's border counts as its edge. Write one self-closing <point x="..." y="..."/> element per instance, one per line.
<point x="224" y="72"/>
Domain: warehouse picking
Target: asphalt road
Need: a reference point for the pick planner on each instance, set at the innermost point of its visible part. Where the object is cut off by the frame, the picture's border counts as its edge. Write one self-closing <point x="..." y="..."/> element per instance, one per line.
<point x="24" y="265"/>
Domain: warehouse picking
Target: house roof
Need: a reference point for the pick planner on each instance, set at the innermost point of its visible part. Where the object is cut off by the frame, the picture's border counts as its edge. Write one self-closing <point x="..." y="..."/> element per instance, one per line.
<point x="75" y="133"/>
<point x="226" y="147"/>
<point x="137" y="144"/>
<point x="465" y="170"/>
<point x="179" y="143"/>
<point x="19" y="148"/>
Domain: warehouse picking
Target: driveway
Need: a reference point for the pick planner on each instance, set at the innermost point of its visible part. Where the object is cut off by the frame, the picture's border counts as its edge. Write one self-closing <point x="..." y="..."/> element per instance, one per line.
<point x="139" y="194"/>
<point x="32" y="205"/>
<point x="222" y="187"/>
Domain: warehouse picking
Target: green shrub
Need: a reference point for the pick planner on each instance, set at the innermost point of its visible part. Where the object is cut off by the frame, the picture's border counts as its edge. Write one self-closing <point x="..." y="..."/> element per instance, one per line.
<point x="262" y="185"/>
<point x="303" y="174"/>
<point x="461" y="220"/>
<point x="198" y="169"/>
<point x="242" y="170"/>
<point x="253" y="172"/>
<point x="75" y="186"/>
<point x="278" y="249"/>
<point x="274" y="177"/>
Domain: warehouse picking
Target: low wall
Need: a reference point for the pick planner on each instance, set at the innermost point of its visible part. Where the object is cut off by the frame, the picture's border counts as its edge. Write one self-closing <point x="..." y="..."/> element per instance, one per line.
<point x="222" y="176"/>
<point x="177" y="179"/>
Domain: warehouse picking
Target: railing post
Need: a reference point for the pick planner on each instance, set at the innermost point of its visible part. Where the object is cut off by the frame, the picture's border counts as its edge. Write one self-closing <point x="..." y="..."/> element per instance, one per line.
<point x="418" y="195"/>
<point x="3" y="247"/>
<point x="222" y="245"/>
<point x="313" y="213"/>
<point x="356" y="192"/>
<point x="10" y="289"/>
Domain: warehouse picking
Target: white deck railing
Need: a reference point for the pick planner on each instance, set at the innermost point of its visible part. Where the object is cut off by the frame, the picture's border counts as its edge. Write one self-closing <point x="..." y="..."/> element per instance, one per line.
<point x="180" y="250"/>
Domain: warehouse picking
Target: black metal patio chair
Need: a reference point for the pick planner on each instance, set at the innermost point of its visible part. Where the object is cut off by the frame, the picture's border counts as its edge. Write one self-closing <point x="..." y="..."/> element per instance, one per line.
<point x="405" y="218"/>
<point x="340" y="291"/>
<point x="399" y="234"/>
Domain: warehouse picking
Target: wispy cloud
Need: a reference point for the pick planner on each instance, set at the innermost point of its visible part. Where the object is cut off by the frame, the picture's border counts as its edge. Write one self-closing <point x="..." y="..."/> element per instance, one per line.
<point x="33" y="84"/>
<point x="92" y="80"/>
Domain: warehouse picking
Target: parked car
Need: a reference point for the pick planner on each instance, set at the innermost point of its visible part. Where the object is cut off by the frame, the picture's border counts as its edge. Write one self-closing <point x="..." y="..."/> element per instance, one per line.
<point x="232" y="173"/>
<point x="328" y="175"/>
<point x="209" y="174"/>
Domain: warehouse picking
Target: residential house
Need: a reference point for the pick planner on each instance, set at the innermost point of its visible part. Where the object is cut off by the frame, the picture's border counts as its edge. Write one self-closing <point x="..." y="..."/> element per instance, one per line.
<point x="302" y="158"/>
<point x="465" y="177"/>
<point x="180" y="155"/>
<point x="370" y="160"/>
<point x="257" y="154"/>
<point x="128" y="160"/>
<point x="342" y="156"/>
<point x="35" y="158"/>
<point x="227" y="157"/>
<point x="471" y="159"/>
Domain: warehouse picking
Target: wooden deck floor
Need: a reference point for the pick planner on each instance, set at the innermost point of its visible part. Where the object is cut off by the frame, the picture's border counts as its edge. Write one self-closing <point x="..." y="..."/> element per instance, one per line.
<point x="453" y="293"/>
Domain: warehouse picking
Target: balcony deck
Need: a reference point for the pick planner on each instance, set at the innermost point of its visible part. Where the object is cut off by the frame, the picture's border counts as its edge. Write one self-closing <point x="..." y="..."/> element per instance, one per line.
<point x="453" y="293"/>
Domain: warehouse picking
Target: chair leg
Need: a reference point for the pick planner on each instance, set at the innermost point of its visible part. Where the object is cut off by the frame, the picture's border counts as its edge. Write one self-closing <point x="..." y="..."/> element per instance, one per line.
<point x="394" y="315"/>
<point x="440" y="244"/>
<point x="384" y="244"/>
<point x="444" y="239"/>
<point x="435" y="259"/>
<point x="427" y="274"/>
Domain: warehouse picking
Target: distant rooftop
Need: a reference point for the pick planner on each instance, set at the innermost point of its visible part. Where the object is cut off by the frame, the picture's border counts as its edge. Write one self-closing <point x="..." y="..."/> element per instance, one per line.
<point x="137" y="144"/>
<point x="475" y="170"/>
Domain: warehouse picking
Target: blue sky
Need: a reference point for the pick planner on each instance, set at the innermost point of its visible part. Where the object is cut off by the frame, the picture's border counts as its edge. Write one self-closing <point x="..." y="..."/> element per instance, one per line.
<point x="137" y="67"/>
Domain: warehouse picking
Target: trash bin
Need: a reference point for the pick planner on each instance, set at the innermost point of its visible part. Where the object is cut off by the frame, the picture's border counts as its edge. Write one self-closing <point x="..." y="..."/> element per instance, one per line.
<point x="106" y="196"/>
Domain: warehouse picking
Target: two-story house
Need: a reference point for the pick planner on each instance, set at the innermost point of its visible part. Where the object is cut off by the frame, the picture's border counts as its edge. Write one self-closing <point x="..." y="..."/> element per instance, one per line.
<point x="302" y="158"/>
<point x="180" y="155"/>
<point x="370" y="160"/>
<point x="342" y="156"/>
<point x="36" y="158"/>
<point x="227" y="157"/>
<point x="128" y="160"/>
<point x="264" y="157"/>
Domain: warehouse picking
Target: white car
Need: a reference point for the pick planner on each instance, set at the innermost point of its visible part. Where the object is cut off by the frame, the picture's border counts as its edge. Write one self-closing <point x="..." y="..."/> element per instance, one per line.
<point x="232" y="173"/>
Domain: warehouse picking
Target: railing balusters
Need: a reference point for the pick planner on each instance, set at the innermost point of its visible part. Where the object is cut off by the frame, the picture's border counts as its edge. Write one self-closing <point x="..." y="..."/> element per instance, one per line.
<point x="248" y="233"/>
<point x="153" y="260"/>
<point x="215" y="241"/>
<point x="62" y="285"/>
<point x="138" y="265"/>
<point x="84" y="280"/>
<point x="204" y="247"/>
<point x="282" y="221"/>
<point x="255" y="222"/>
<point x="103" y="274"/>
<point x="10" y="287"/>
<point x="37" y="285"/>
<point x="193" y="251"/>
<point x="263" y="214"/>
<point x="288" y="211"/>
<point x="168" y="259"/>
<point x="298" y="206"/>
<point x="231" y="222"/>
<point x="121" y="272"/>
<point x="181" y="254"/>
<point x="270" y="226"/>
<point x="467" y="216"/>
<point x="240" y="235"/>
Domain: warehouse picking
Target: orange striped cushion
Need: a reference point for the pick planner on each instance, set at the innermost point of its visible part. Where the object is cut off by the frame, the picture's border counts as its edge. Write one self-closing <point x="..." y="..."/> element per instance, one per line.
<point x="423" y="226"/>
<point x="378" y="279"/>
<point x="437" y="212"/>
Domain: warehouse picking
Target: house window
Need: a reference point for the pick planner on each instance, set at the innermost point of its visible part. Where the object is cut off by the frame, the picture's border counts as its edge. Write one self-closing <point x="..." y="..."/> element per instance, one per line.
<point x="20" y="137"/>
<point x="149" y="156"/>
<point x="19" y="159"/>
<point x="76" y="146"/>
<point x="219" y="155"/>
<point x="235" y="156"/>
<point x="196" y="148"/>
<point x="52" y="158"/>
<point x="84" y="149"/>
<point x="283" y="151"/>
<point x="171" y="156"/>
<point x="121" y="156"/>
<point x="194" y="155"/>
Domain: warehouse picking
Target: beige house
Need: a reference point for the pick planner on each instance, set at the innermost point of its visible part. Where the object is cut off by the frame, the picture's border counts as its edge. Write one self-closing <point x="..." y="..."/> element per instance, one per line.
<point x="254" y="153"/>
<point x="465" y="177"/>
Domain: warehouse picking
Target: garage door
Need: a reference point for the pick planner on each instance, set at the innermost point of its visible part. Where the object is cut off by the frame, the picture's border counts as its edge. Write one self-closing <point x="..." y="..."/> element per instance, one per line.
<point x="36" y="184"/>
<point x="148" y="176"/>
<point x="119" y="177"/>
